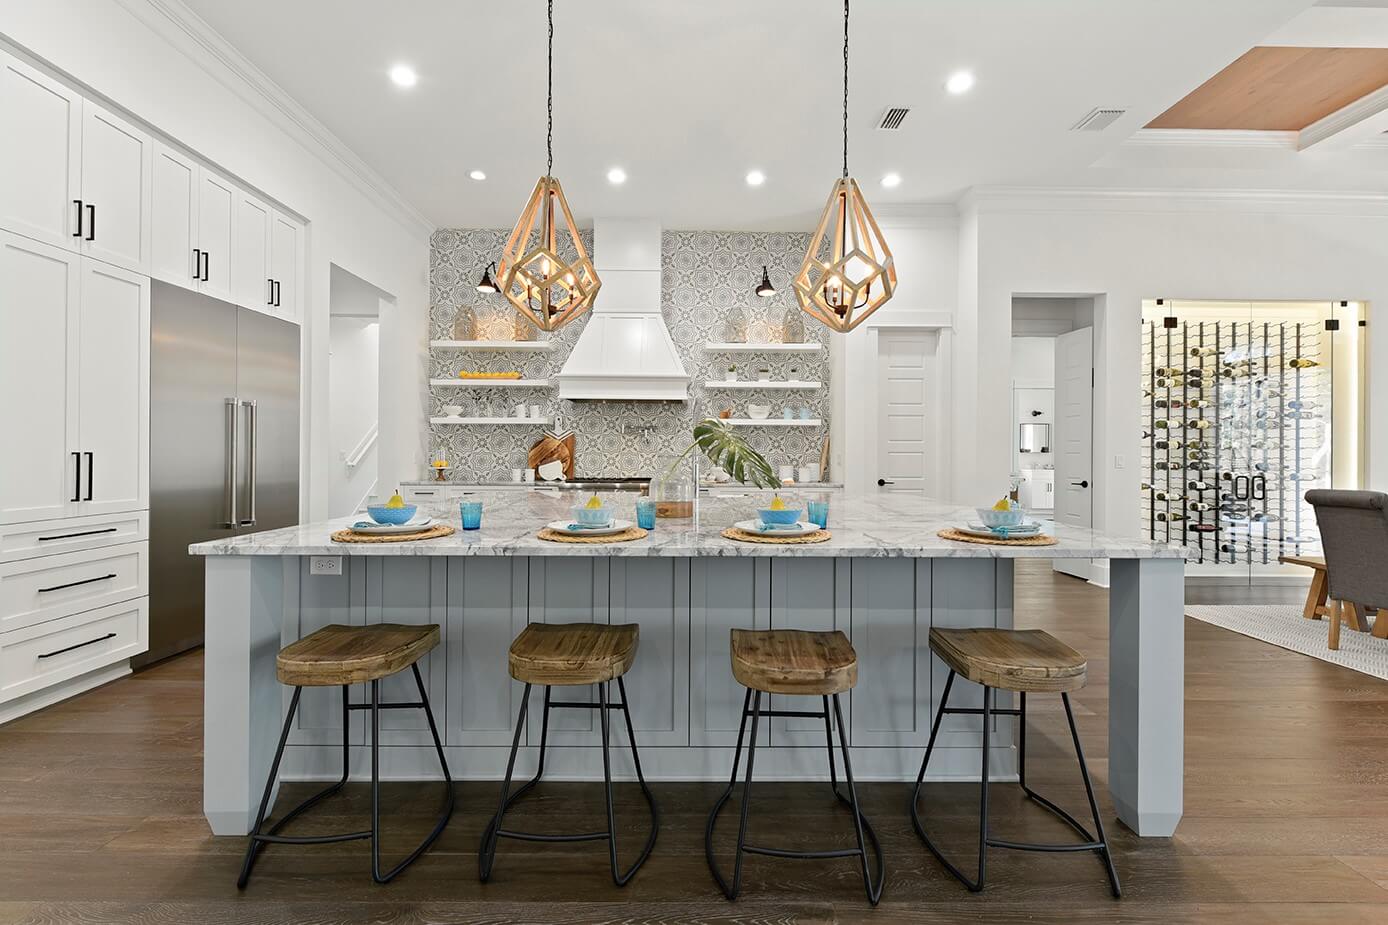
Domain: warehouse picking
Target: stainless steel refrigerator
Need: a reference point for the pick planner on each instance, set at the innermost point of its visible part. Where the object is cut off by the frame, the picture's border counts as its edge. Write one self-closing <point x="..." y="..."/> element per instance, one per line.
<point x="224" y="445"/>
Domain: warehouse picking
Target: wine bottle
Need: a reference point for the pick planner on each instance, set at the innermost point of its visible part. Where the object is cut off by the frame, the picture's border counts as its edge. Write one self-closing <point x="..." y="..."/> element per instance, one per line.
<point x="1203" y="351"/>
<point x="1161" y="423"/>
<point x="1203" y="528"/>
<point x="1235" y="548"/>
<point x="1170" y="516"/>
<point x="1167" y="444"/>
<point x="1301" y="405"/>
<point x="1172" y="403"/>
<point x="1265" y="517"/>
<point x="1166" y="495"/>
<point x="1200" y="424"/>
<point x="1199" y="485"/>
<point x="1166" y="371"/>
<point x="1198" y="403"/>
<point x="1199" y="506"/>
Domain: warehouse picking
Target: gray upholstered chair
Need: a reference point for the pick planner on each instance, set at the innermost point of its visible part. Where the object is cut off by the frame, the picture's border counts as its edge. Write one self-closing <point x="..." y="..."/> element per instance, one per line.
<point x="1354" y="535"/>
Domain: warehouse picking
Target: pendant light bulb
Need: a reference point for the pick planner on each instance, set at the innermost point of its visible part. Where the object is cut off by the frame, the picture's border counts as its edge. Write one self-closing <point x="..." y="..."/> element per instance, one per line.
<point x="764" y="288"/>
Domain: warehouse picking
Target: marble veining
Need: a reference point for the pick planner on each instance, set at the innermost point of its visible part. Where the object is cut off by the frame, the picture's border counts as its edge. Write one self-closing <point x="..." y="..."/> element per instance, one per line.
<point x="885" y="526"/>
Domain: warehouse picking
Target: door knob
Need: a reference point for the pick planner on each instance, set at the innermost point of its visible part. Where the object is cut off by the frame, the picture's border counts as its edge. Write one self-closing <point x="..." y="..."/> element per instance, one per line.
<point x="1084" y="484"/>
<point x="885" y="482"/>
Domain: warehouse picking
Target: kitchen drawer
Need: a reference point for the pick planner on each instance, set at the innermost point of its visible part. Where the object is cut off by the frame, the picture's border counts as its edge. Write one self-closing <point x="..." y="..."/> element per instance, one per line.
<point x="49" y="653"/>
<point x="430" y="495"/>
<point x="48" y="587"/>
<point x="49" y="537"/>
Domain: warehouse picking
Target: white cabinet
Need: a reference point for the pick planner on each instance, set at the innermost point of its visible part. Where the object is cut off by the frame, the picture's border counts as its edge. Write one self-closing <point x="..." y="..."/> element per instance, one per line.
<point x="252" y="286"/>
<point x="286" y="258"/>
<point x="74" y="384"/>
<point x="40" y="157"/>
<point x="174" y="218"/>
<point x="217" y="198"/>
<point x="117" y="162"/>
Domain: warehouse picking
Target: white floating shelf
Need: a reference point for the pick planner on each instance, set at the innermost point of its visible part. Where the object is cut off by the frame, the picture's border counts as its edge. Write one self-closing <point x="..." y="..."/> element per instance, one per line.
<point x="772" y="422"/>
<point x="493" y="344"/>
<point x="493" y="383"/>
<point x="764" y="348"/>
<point x="755" y="384"/>
<point x="446" y="420"/>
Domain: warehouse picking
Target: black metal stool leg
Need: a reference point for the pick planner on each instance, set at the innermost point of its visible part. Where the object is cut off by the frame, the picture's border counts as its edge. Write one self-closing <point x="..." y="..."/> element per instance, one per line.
<point x="874" y="890"/>
<point x="746" y="799"/>
<point x="1093" y="806"/>
<point x="486" y="855"/>
<point x="254" y="847"/>
<point x="724" y="797"/>
<point x="829" y="744"/>
<point x="622" y="878"/>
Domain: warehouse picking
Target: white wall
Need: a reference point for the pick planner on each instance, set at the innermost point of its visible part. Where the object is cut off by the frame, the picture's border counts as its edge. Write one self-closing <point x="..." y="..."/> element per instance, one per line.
<point x="354" y="348"/>
<point x="195" y="89"/>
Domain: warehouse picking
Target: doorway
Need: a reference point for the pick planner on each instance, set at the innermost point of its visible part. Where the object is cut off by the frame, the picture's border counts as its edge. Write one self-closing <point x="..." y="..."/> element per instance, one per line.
<point x="354" y="363"/>
<point x="907" y="416"/>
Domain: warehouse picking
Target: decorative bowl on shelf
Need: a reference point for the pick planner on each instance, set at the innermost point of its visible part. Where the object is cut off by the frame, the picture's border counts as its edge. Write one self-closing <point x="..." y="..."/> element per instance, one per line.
<point x="591" y="516"/>
<point x="758" y="412"/>
<point x="452" y="411"/>
<point x="992" y="518"/>
<point x="780" y="517"/>
<point x="391" y="515"/>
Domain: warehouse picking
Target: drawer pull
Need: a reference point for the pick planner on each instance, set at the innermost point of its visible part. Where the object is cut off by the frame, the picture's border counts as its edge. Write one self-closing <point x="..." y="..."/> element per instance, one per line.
<point x="89" y="642"/>
<point x="73" y="584"/>
<point x="72" y="536"/>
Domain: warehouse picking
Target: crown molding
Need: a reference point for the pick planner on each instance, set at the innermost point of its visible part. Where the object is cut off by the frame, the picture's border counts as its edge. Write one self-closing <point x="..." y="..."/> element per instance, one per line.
<point x="1211" y="138"/>
<point x="916" y="214"/>
<point x="192" y="35"/>
<point x="1000" y="199"/>
<point x="1356" y="121"/>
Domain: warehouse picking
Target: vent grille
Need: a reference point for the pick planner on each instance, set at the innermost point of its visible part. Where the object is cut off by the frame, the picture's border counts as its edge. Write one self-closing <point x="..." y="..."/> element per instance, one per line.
<point x="892" y="118"/>
<point x="1096" y="120"/>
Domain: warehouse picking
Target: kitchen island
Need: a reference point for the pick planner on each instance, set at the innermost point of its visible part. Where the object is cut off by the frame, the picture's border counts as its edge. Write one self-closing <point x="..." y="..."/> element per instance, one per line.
<point x="884" y="578"/>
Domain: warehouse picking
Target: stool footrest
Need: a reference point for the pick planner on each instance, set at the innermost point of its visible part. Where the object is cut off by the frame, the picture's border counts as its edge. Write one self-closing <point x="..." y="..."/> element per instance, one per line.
<point x="311" y="839"/>
<point x="417" y="705"/>
<point x="1037" y="846"/>
<point x="790" y="714"/>
<point x="581" y="705"/>
<point x="541" y="836"/>
<point x="803" y="855"/>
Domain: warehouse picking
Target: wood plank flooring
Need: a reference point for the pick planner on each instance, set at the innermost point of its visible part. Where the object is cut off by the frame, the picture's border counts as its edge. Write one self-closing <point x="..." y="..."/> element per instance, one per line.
<point x="1286" y="819"/>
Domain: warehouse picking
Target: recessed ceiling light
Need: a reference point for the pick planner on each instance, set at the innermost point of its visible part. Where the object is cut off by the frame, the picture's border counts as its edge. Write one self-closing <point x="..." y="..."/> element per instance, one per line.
<point x="890" y="180"/>
<point x="402" y="75"/>
<point x="616" y="176"/>
<point x="960" y="82"/>
<point x="755" y="178"/>
<point x="477" y="175"/>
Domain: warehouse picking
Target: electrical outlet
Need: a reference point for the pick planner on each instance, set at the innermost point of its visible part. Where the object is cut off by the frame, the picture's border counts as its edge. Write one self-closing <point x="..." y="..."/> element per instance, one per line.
<point x="1119" y="462"/>
<point x="325" y="565"/>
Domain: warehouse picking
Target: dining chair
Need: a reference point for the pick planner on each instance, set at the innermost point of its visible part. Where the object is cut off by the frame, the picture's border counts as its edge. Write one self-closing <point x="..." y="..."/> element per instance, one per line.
<point x="1354" y="536"/>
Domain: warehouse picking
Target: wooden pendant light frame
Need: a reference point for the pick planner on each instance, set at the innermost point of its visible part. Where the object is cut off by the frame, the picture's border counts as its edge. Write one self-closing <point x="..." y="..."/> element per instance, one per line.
<point x="548" y="290"/>
<point x="858" y="275"/>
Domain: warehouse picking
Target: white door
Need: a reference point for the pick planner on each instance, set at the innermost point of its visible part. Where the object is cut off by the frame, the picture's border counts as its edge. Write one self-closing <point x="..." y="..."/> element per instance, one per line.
<point x="113" y="389"/>
<point x="285" y="244"/>
<point x="174" y="219"/>
<point x="40" y="154"/>
<point x="38" y="395"/>
<point x="117" y="161"/>
<point x="216" y="217"/>
<point x="1074" y="438"/>
<point x="251" y="262"/>
<point x="904" y="419"/>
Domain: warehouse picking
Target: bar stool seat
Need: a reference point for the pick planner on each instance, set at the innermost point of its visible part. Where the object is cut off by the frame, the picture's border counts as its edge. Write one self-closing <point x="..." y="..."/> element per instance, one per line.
<point x="794" y="661"/>
<point x="337" y="654"/>
<point x="1013" y="660"/>
<point x="573" y="653"/>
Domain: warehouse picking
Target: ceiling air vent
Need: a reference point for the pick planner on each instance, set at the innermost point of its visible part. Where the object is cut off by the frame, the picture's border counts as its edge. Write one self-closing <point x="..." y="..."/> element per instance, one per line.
<point x="1096" y="120"/>
<point x="892" y="118"/>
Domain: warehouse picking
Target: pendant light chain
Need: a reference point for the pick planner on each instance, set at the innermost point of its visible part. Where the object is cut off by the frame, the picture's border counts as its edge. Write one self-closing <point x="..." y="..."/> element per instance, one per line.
<point x="549" y="97"/>
<point x="845" y="88"/>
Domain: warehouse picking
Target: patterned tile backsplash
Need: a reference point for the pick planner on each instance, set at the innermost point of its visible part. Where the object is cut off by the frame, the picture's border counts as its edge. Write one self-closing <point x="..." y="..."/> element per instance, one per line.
<point x="707" y="283"/>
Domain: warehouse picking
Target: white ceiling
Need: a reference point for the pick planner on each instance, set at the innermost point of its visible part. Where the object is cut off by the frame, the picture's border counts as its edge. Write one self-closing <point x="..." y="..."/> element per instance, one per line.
<point x="687" y="96"/>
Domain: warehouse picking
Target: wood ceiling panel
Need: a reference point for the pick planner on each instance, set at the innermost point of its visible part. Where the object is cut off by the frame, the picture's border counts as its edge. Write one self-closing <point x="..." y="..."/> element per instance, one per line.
<point x="1279" y="89"/>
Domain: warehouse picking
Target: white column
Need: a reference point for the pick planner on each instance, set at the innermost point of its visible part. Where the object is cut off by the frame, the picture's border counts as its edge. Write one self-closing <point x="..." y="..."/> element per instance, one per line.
<point x="1146" y="722"/>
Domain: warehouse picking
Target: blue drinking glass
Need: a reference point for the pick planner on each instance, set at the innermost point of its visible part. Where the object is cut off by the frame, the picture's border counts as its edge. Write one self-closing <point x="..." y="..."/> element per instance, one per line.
<point x="819" y="513"/>
<point x="471" y="512"/>
<point x="645" y="513"/>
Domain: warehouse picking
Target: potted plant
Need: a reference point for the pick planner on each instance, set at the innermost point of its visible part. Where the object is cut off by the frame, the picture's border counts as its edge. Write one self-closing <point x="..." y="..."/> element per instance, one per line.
<point x="731" y="374"/>
<point x="675" y="485"/>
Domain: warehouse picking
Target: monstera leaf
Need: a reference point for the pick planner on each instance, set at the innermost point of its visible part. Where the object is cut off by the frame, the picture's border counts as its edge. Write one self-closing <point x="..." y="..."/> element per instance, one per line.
<point x="729" y="450"/>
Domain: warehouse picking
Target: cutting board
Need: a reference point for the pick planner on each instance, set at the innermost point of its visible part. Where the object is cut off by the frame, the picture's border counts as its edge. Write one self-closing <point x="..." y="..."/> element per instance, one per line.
<point x="553" y="447"/>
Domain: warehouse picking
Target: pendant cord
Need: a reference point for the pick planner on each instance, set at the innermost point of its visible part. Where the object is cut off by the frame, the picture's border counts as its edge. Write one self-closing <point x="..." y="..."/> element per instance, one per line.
<point x="549" y="101"/>
<point x="845" y="88"/>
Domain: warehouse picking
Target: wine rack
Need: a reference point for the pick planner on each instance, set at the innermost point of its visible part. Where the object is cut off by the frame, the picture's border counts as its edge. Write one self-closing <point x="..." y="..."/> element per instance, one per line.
<point x="1236" y="427"/>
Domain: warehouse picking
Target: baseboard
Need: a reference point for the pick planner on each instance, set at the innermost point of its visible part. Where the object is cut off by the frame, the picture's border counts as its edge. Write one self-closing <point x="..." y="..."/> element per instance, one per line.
<point x="22" y="706"/>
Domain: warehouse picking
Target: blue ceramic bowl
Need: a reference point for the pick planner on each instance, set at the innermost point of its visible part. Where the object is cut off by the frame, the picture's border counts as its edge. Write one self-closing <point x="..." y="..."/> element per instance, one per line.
<point x="992" y="518"/>
<point x="391" y="515"/>
<point x="592" y="516"/>
<point x="788" y="516"/>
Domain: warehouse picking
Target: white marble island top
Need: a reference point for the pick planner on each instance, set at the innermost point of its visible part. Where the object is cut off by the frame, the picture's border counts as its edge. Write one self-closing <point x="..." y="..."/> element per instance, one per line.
<point x="883" y="526"/>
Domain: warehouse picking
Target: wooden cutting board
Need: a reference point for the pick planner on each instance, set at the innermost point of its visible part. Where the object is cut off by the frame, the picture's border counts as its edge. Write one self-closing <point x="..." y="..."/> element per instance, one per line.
<point x="553" y="447"/>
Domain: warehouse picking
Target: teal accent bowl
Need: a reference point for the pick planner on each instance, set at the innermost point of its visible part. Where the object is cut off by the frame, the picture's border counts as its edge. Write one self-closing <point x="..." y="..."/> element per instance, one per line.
<point x="391" y="515"/>
<point x="592" y="516"/>
<point x="992" y="518"/>
<point x="788" y="516"/>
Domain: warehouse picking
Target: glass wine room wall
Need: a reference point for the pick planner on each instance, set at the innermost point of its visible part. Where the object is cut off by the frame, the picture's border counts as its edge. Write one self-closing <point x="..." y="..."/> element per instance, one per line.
<point x="1247" y="406"/>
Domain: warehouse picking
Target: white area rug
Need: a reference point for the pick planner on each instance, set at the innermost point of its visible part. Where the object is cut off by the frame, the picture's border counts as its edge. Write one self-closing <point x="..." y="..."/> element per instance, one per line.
<point x="1285" y="627"/>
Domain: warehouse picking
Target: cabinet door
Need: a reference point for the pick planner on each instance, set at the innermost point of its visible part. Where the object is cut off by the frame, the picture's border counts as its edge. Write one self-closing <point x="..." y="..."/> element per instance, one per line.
<point x="286" y="243"/>
<point x="40" y="177"/>
<point x="38" y="299"/>
<point x="251" y="261"/>
<point x="117" y="162"/>
<point x="723" y="593"/>
<point x="216" y="216"/>
<point x="113" y="389"/>
<point x="174" y="218"/>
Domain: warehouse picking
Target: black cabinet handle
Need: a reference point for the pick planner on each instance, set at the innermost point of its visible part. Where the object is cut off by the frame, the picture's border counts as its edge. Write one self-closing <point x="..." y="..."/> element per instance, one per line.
<point x="277" y="293"/>
<point x="270" y="288"/>
<point x="91" y="222"/>
<point x="74" y="584"/>
<point x="881" y="482"/>
<point x="78" y="204"/>
<point x="1081" y="484"/>
<point x="206" y="266"/>
<point x="73" y="536"/>
<point x="197" y="263"/>
<point x="76" y="476"/>
<point x="90" y="458"/>
<point x="80" y="645"/>
<point x="1259" y="488"/>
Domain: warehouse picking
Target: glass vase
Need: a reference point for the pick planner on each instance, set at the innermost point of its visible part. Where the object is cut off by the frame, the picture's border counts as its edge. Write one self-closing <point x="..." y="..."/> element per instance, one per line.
<point x="675" y="486"/>
<point x="464" y="323"/>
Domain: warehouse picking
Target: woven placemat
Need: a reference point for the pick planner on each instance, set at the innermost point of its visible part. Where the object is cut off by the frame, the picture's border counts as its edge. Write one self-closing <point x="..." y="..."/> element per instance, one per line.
<point x="742" y="536"/>
<point x="351" y="536"/>
<point x="961" y="537"/>
<point x="626" y="536"/>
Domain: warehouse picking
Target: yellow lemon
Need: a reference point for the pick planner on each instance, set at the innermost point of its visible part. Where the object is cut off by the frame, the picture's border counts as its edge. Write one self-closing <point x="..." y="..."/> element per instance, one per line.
<point x="777" y="504"/>
<point x="395" y="501"/>
<point x="594" y="503"/>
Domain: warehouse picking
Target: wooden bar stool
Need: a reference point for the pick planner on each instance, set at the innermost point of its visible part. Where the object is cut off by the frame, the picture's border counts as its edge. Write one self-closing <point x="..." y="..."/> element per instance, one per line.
<point x="1022" y="661"/>
<point x="572" y="654"/>
<point x="808" y="664"/>
<point x="339" y="655"/>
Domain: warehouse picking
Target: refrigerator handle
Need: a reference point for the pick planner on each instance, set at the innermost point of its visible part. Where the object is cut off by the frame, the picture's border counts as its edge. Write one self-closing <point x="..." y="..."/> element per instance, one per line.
<point x="252" y="428"/>
<point x="231" y="469"/>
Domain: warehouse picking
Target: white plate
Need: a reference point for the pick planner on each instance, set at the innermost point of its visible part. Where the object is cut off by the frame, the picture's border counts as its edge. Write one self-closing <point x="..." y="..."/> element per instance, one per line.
<point x="754" y="526"/>
<point x="562" y="526"/>
<point x="980" y="530"/>
<point x="414" y="526"/>
<point x="1019" y="530"/>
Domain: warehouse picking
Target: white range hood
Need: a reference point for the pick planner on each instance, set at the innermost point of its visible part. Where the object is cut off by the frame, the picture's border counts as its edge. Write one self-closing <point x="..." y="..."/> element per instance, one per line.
<point x="624" y="352"/>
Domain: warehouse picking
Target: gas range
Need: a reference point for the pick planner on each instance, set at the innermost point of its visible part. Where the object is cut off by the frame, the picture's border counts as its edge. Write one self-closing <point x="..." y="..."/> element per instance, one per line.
<point x="602" y="483"/>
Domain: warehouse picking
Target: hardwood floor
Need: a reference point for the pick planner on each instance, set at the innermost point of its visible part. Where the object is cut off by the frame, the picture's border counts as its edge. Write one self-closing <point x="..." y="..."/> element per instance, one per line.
<point x="1286" y="818"/>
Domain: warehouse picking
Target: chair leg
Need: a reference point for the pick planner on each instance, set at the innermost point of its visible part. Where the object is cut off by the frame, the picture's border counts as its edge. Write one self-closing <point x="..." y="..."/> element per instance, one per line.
<point x="254" y="847"/>
<point x="1336" y="608"/>
<point x="723" y="798"/>
<point x="873" y="890"/>
<point x="829" y="744"/>
<point x="746" y="798"/>
<point x="486" y="854"/>
<point x="622" y="878"/>
<point x="1102" y="839"/>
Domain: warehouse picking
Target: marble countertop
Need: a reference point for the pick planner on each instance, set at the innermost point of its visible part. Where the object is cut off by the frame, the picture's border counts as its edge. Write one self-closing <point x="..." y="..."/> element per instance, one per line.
<point x="882" y="526"/>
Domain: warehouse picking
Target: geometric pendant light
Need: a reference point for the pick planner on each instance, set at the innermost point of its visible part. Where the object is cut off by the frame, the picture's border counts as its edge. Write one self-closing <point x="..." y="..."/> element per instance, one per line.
<point x="548" y="290"/>
<point x="848" y="272"/>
